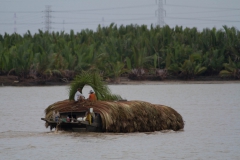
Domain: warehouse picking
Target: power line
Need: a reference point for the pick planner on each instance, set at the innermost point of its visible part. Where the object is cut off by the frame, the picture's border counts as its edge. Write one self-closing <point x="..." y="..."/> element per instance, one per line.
<point x="200" y="12"/>
<point x="194" y="23"/>
<point x="114" y="8"/>
<point x="110" y="14"/>
<point x="79" y="18"/>
<point x="106" y="20"/>
<point x="220" y="16"/>
<point x="201" y="7"/>
<point x="96" y="9"/>
<point x="203" y="19"/>
<point x="21" y="11"/>
<point x="126" y="7"/>
<point x="19" y="23"/>
<point x="29" y="15"/>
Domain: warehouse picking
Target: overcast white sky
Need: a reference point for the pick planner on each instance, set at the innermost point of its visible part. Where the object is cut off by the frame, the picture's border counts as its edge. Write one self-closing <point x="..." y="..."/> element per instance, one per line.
<point x="23" y="15"/>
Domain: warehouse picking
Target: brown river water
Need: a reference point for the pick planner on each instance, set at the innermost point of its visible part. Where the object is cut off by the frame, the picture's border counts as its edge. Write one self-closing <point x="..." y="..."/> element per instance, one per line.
<point x="211" y="113"/>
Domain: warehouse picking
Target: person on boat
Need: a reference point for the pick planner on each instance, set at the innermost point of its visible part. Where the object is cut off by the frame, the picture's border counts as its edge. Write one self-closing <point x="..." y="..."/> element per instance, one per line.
<point x="90" y="116"/>
<point x="92" y="96"/>
<point x="56" y="116"/>
<point x="78" y="95"/>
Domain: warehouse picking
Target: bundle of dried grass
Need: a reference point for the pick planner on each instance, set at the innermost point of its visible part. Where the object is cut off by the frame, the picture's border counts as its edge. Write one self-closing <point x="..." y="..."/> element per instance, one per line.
<point x="125" y="116"/>
<point x="118" y="116"/>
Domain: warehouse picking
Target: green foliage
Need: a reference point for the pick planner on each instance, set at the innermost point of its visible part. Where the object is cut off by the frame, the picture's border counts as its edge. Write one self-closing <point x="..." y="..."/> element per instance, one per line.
<point x="192" y="67"/>
<point x="114" y="50"/>
<point x="232" y="69"/>
<point x="213" y="60"/>
<point x="94" y="80"/>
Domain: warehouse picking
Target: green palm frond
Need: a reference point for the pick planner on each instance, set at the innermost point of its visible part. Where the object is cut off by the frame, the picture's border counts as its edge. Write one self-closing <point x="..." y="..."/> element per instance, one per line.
<point x="199" y="70"/>
<point x="94" y="80"/>
<point x="50" y="72"/>
<point x="225" y="73"/>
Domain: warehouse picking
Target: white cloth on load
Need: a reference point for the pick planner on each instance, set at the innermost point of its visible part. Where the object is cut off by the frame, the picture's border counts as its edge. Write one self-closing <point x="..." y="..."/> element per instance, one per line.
<point x="78" y="95"/>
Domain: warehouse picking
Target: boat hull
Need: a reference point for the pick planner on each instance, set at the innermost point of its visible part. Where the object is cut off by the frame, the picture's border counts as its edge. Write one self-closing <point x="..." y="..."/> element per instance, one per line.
<point x="77" y="126"/>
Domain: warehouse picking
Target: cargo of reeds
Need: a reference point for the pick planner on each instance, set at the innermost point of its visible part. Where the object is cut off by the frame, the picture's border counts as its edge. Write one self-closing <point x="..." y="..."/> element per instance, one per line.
<point x="124" y="116"/>
<point x="113" y="113"/>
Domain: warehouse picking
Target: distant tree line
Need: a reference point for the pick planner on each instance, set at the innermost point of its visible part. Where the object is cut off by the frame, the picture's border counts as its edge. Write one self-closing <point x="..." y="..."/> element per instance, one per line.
<point x="132" y="50"/>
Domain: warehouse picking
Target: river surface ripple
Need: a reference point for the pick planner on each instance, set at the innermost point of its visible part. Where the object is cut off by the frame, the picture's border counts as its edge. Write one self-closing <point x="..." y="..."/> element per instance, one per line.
<point x="211" y="113"/>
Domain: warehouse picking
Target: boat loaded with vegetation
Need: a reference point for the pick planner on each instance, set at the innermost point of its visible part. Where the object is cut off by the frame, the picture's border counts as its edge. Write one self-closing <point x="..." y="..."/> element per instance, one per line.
<point x="110" y="113"/>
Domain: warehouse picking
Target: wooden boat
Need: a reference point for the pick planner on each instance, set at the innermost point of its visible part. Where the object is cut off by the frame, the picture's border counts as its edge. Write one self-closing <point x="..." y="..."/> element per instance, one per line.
<point x="76" y="123"/>
<point x="112" y="116"/>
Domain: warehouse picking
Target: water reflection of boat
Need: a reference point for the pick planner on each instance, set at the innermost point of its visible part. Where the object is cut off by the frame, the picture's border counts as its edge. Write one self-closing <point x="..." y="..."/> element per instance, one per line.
<point x="112" y="116"/>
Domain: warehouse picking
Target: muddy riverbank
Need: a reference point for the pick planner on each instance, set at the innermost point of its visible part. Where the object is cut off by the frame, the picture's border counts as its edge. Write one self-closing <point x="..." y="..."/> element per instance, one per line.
<point x="16" y="81"/>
